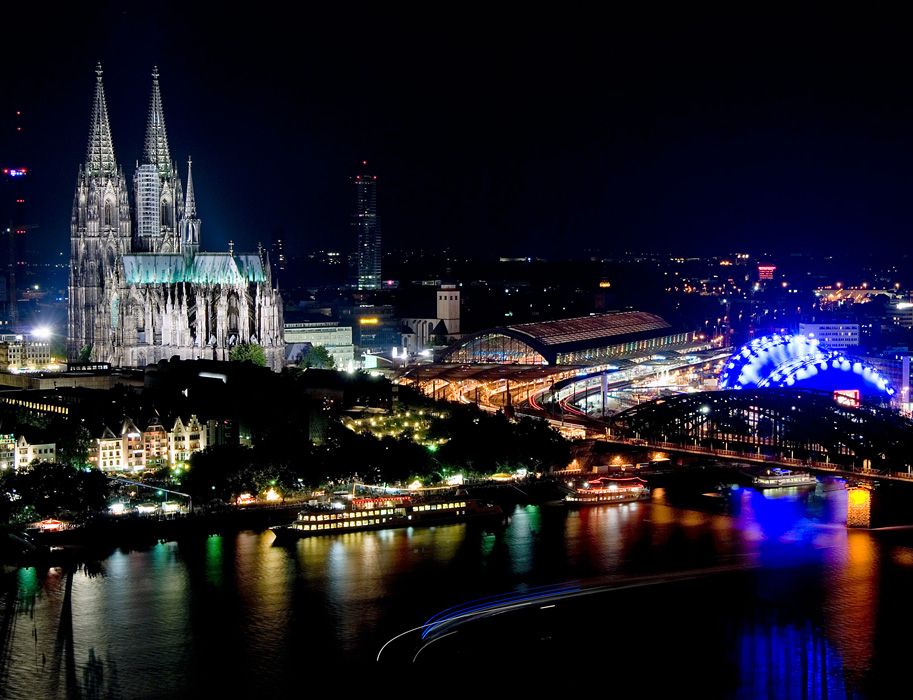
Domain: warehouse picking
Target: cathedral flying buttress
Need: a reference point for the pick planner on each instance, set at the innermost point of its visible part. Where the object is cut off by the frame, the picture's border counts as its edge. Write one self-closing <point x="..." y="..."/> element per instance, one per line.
<point x="141" y="289"/>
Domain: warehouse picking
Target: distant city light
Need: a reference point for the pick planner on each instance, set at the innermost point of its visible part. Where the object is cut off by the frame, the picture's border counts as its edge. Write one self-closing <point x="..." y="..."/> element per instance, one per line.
<point x="766" y="272"/>
<point x="42" y="332"/>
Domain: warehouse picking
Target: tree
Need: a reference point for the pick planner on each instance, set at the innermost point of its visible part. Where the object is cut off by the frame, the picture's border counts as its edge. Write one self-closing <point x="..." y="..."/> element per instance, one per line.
<point x="318" y="357"/>
<point x="248" y="352"/>
<point x="85" y="353"/>
<point x="73" y="445"/>
<point x="58" y="346"/>
<point x="53" y="489"/>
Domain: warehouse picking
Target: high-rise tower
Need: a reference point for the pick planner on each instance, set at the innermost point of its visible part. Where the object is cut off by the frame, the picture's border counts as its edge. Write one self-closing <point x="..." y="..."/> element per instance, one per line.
<point x="13" y="221"/>
<point x="367" y="229"/>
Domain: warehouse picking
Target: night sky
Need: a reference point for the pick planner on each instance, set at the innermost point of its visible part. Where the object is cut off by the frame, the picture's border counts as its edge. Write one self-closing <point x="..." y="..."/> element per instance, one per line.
<point x="517" y="133"/>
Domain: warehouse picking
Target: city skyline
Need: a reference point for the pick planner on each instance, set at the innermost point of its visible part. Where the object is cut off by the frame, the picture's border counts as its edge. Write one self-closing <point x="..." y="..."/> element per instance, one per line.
<point x="712" y="133"/>
<point x="633" y="354"/>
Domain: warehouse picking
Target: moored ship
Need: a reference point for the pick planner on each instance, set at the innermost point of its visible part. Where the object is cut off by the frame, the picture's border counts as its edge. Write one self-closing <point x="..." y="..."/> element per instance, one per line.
<point x="605" y="489"/>
<point x="384" y="512"/>
<point x="782" y="478"/>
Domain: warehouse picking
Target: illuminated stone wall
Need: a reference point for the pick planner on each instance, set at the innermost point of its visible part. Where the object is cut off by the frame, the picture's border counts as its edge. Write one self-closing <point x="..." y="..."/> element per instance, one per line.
<point x="859" y="506"/>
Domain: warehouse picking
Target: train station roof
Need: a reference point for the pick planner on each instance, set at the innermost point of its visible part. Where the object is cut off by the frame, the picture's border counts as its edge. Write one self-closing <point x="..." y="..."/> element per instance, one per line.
<point x="591" y="329"/>
<point x="546" y="341"/>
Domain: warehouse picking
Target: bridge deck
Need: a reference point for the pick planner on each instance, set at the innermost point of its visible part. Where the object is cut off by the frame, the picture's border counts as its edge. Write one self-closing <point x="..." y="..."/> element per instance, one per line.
<point x="754" y="458"/>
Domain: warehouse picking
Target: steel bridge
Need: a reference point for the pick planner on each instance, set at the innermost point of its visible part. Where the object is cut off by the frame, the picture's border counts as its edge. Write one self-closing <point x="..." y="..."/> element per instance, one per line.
<point x="796" y="426"/>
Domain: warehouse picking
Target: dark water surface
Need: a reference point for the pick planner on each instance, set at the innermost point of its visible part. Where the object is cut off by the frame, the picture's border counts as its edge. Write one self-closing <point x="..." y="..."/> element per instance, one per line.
<point x="776" y="600"/>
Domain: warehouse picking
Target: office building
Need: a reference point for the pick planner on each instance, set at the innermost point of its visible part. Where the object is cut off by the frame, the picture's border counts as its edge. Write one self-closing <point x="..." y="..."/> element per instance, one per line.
<point x="367" y="231"/>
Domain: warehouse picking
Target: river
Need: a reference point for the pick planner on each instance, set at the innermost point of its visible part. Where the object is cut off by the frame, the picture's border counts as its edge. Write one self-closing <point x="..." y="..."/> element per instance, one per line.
<point x="776" y="598"/>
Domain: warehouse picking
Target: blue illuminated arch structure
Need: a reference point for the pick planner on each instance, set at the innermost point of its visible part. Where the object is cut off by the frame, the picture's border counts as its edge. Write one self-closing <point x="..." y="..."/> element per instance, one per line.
<point x="801" y="362"/>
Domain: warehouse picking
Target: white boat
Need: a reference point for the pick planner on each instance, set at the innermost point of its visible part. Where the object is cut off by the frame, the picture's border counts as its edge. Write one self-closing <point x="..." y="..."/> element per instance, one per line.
<point x="385" y="512"/>
<point x="605" y="489"/>
<point x="782" y="478"/>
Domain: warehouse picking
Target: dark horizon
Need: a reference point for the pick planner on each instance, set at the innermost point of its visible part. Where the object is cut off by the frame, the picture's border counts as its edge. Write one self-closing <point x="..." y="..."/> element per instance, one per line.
<point x="534" y="136"/>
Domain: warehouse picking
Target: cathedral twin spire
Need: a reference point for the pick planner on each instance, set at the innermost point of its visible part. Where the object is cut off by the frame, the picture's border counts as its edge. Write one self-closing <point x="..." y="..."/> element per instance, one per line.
<point x="100" y="161"/>
<point x="156" y="150"/>
<point x="100" y="153"/>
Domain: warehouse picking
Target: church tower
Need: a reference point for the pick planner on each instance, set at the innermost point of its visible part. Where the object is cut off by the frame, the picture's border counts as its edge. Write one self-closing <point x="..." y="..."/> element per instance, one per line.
<point x="159" y="199"/>
<point x="190" y="224"/>
<point x="100" y="234"/>
<point x="145" y="293"/>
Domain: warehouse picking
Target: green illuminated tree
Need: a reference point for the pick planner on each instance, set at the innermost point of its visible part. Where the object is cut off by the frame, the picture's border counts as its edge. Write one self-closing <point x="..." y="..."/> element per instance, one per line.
<point x="73" y="445"/>
<point x="318" y="357"/>
<point x="248" y="351"/>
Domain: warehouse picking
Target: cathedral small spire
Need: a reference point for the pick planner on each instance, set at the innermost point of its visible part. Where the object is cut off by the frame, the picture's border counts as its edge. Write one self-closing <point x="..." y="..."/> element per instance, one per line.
<point x="100" y="153"/>
<point x="189" y="225"/>
<point x="156" y="150"/>
<point x="190" y="203"/>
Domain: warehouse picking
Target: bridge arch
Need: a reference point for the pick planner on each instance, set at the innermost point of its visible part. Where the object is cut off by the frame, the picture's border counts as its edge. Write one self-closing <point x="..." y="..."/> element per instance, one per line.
<point x="806" y="424"/>
<point x="802" y="362"/>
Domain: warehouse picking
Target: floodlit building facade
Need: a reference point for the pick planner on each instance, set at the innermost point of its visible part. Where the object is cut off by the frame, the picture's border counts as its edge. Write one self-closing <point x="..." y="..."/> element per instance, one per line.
<point x="22" y="351"/>
<point x="328" y="334"/>
<point x="28" y="453"/>
<point x="837" y="336"/>
<point x="154" y="447"/>
<point x="141" y="289"/>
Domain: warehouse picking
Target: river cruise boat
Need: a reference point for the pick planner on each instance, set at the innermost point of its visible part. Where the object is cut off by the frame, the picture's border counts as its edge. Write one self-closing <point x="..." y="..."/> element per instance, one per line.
<point x="606" y="489"/>
<point x="384" y="512"/>
<point x="782" y="478"/>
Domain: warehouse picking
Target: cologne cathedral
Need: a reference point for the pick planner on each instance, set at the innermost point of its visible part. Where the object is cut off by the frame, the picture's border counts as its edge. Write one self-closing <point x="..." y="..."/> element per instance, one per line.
<point x="141" y="289"/>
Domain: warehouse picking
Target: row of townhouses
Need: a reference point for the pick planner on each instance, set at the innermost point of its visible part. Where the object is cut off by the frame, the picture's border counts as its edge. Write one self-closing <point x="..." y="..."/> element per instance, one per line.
<point x="128" y="449"/>
<point x="20" y="453"/>
<point x="132" y="449"/>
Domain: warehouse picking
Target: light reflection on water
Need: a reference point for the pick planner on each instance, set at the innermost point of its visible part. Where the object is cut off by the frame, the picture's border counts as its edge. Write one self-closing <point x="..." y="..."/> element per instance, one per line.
<point x="237" y="614"/>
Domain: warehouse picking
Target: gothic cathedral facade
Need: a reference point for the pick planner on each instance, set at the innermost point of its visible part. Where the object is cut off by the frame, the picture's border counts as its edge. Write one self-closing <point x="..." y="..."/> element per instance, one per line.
<point x="141" y="289"/>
